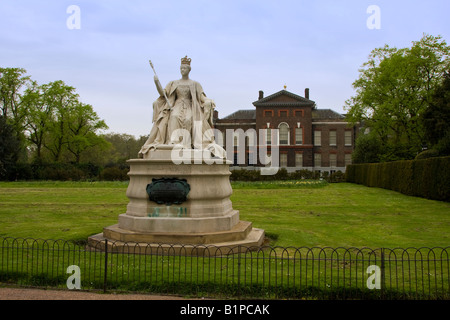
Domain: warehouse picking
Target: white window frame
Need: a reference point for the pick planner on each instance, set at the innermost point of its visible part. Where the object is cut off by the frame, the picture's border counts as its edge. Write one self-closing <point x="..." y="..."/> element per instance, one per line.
<point x="318" y="138"/>
<point x="283" y="160"/>
<point x="280" y="133"/>
<point x="299" y="160"/>
<point x="300" y="130"/>
<point x="333" y="138"/>
<point x="347" y="138"/>
<point x="333" y="162"/>
<point x="268" y="136"/>
<point x="317" y="158"/>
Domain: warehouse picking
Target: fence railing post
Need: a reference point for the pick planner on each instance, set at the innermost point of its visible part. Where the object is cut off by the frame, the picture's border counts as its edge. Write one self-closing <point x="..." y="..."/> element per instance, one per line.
<point x="424" y="277"/>
<point x="106" y="266"/>
<point x="383" y="278"/>
<point x="239" y="271"/>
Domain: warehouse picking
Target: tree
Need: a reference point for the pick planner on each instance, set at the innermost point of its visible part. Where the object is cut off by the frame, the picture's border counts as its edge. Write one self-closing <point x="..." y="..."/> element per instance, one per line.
<point x="12" y="80"/>
<point x="367" y="149"/>
<point x="60" y="123"/>
<point x="49" y="119"/>
<point x="10" y="147"/>
<point x="436" y="119"/>
<point x="83" y="124"/>
<point x="59" y="98"/>
<point x="38" y="117"/>
<point x="124" y="146"/>
<point x="394" y="89"/>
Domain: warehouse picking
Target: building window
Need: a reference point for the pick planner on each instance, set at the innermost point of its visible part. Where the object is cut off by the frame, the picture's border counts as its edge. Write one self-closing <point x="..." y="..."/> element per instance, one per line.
<point x="333" y="138"/>
<point x="317" y="138"/>
<point x="333" y="160"/>
<point x="348" y="138"/>
<point x="283" y="159"/>
<point x="298" y="135"/>
<point x="348" y="159"/>
<point x="298" y="113"/>
<point x="284" y="133"/>
<point x="299" y="160"/>
<point x="317" y="160"/>
<point x="283" y="113"/>
<point x="236" y="141"/>
<point x="250" y="139"/>
<point x="268" y="136"/>
<point x="268" y="113"/>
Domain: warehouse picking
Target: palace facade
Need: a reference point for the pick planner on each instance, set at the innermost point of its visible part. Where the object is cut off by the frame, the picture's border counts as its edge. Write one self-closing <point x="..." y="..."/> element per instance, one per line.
<point x="308" y="137"/>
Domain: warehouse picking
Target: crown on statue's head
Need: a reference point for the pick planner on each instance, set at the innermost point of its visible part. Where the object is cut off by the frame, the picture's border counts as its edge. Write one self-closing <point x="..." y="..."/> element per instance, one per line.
<point x="186" y="60"/>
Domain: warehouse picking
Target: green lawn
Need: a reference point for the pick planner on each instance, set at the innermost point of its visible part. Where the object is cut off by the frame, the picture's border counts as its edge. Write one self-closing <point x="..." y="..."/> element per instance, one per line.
<point x="345" y="215"/>
<point x="59" y="210"/>
<point x="315" y="214"/>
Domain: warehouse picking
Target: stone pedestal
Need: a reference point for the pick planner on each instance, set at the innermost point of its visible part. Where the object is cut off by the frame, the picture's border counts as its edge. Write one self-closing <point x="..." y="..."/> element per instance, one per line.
<point x="205" y="219"/>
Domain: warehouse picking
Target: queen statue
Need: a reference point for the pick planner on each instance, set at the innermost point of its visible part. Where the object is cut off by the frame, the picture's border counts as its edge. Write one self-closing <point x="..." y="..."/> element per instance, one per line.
<point x="182" y="116"/>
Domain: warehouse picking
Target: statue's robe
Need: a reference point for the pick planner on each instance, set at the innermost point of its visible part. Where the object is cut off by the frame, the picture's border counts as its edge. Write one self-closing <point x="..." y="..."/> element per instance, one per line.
<point x="196" y="121"/>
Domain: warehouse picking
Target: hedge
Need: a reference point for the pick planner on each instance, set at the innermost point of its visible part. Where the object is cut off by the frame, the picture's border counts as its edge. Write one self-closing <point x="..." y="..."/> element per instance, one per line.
<point x="283" y="174"/>
<point x="67" y="172"/>
<point x="428" y="178"/>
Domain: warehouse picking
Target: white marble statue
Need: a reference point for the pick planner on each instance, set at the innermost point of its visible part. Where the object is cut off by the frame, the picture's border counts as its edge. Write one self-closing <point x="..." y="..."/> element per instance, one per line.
<point x="182" y="116"/>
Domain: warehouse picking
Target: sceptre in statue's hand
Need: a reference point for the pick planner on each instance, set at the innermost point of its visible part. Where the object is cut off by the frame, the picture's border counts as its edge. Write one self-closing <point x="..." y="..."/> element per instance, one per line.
<point x="160" y="89"/>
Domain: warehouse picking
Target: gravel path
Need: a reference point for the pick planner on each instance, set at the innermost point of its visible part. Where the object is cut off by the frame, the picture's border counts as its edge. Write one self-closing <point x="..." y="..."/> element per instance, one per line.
<point x="40" y="294"/>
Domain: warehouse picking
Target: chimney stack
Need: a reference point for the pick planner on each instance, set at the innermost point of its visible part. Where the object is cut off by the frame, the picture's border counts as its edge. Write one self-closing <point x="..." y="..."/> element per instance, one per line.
<point x="307" y="93"/>
<point x="261" y="95"/>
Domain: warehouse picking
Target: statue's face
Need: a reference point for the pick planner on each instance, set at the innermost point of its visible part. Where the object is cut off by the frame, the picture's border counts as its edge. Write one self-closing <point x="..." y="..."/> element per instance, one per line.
<point x="185" y="69"/>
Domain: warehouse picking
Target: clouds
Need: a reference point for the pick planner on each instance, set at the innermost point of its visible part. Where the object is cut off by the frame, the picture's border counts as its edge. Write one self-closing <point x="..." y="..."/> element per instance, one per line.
<point x="237" y="48"/>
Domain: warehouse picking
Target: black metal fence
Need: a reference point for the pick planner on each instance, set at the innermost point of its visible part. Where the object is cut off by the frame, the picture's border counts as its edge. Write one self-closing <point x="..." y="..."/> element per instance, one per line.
<point x="263" y="272"/>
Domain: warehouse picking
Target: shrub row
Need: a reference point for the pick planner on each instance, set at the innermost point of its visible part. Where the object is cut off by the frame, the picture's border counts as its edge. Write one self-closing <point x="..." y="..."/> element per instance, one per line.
<point x="67" y="172"/>
<point x="283" y="174"/>
<point x="428" y="178"/>
<point x="118" y="172"/>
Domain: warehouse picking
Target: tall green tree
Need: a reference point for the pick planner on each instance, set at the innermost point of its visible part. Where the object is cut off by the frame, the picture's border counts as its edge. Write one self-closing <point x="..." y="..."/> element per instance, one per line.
<point x="12" y="82"/>
<point x="394" y="88"/>
<point x="38" y="118"/>
<point x="60" y="99"/>
<point x="83" y="123"/>
<point x="10" y="147"/>
<point x="59" y="123"/>
<point x="436" y="119"/>
<point x="124" y="146"/>
<point x="367" y="149"/>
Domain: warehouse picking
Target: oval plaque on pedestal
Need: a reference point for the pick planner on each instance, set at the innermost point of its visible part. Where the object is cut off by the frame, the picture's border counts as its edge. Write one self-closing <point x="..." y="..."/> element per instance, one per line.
<point x="168" y="191"/>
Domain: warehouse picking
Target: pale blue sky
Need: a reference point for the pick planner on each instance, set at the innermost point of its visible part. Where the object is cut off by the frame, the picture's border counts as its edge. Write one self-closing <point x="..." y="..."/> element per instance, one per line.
<point x="237" y="48"/>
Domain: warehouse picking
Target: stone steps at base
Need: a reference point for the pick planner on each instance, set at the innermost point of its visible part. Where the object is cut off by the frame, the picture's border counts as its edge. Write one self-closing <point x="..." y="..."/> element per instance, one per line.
<point x="238" y="232"/>
<point x="253" y="241"/>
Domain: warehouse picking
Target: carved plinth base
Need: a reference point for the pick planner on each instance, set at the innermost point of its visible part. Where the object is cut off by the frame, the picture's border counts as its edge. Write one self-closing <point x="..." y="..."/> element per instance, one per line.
<point x="206" y="218"/>
<point x="240" y="239"/>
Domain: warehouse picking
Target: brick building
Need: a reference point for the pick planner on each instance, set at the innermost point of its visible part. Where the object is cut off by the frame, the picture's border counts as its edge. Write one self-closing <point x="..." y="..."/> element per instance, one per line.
<point x="308" y="138"/>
